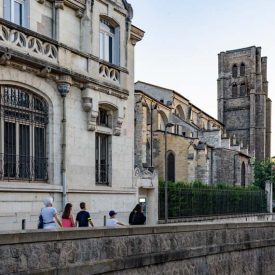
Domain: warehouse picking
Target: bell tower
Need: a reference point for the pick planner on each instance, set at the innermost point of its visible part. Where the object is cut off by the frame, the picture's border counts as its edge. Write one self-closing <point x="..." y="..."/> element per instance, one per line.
<point x="243" y="104"/>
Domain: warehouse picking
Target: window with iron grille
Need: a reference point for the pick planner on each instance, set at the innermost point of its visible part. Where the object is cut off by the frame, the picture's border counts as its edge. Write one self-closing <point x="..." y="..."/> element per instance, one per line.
<point x="23" y="122"/>
<point x="102" y="159"/>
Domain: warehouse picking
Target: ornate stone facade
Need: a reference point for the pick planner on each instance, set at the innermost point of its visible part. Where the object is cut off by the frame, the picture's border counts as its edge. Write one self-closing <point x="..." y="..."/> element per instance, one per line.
<point x="197" y="145"/>
<point x="61" y="51"/>
<point x="243" y="103"/>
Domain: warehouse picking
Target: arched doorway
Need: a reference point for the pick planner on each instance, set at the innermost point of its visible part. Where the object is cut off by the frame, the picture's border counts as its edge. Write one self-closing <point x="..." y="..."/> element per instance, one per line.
<point x="243" y="175"/>
<point x="171" y="167"/>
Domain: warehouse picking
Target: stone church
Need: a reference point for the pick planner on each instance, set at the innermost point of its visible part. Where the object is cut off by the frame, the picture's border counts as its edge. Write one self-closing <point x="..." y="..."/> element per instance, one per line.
<point x="198" y="147"/>
<point x="66" y="115"/>
<point x="243" y="103"/>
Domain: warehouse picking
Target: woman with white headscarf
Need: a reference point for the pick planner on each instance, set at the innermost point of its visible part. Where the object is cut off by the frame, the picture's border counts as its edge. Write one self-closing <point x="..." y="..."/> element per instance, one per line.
<point x="49" y="215"/>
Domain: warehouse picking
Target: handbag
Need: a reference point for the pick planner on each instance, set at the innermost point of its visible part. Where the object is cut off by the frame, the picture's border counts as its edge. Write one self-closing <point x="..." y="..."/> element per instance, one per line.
<point x="40" y="221"/>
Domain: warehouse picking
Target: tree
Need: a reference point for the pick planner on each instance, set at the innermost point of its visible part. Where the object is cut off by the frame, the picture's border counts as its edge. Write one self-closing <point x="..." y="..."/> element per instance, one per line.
<point x="264" y="170"/>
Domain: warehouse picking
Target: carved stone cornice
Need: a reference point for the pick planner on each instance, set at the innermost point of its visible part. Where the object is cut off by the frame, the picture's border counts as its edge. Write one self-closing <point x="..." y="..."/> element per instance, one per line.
<point x="136" y="34"/>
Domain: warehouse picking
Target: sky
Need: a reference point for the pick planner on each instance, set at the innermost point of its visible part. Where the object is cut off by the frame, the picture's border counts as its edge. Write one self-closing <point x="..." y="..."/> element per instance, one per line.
<point x="183" y="38"/>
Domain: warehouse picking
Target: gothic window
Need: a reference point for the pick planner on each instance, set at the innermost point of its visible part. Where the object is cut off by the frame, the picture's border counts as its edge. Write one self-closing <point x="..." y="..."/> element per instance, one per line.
<point x="24" y="118"/>
<point x="102" y="158"/>
<point x="243" y="90"/>
<point x="234" y="90"/>
<point x="16" y="11"/>
<point x="242" y="70"/>
<point x="243" y="175"/>
<point x="109" y="41"/>
<point x="171" y="167"/>
<point x="234" y="70"/>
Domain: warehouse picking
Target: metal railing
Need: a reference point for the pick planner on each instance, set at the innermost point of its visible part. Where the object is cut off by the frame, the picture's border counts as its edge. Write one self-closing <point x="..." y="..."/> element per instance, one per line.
<point x="195" y="202"/>
<point x="19" y="167"/>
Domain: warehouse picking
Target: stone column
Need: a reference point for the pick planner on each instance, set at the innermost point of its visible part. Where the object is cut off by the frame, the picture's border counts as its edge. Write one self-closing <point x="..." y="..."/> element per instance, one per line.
<point x="63" y="87"/>
<point x="268" y="189"/>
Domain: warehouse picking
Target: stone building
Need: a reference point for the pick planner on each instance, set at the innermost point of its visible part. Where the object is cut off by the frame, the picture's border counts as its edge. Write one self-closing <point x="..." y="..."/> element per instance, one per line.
<point x="243" y="103"/>
<point x="67" y="97"/>
<point x="197" y="145"/>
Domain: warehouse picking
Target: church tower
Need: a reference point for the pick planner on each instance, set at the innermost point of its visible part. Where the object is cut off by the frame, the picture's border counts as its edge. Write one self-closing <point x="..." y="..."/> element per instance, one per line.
<point x="243" y="104"/>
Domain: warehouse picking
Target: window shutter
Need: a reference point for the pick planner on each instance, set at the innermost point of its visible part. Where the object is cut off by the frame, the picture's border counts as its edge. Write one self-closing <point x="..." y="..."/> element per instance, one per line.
<point x="26" y="18"/>
<point x="7" y="9"/>
<point x="117" y="46"/>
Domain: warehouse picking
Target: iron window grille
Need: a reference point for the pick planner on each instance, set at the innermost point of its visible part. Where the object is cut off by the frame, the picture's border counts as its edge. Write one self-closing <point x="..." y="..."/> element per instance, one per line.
<point x="23" y="122"/>
<point x="102" y="159"/>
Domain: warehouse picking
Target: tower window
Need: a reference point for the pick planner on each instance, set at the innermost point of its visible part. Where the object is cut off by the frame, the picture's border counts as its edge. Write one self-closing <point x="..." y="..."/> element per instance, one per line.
<point x="234" y="90"/>
<point x="243" y="90"/>
<point x="242" y="70"/>
<point x="234" y="70"/>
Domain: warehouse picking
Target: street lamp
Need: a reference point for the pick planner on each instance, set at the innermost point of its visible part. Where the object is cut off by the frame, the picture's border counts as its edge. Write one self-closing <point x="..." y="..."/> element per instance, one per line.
<point x="168" y="125"/>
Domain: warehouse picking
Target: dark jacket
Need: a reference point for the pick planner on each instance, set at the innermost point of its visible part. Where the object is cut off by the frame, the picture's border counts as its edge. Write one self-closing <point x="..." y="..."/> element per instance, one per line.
<point x="136" y="218"/>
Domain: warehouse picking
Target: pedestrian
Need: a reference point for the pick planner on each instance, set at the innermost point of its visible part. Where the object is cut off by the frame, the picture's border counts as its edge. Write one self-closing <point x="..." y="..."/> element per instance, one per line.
<point x="136" y="216"/>
<point x="112" y="221"/>
<point x="49" y="215"/>
<point x="83" y="218"/>
<point x="67" y="216"/>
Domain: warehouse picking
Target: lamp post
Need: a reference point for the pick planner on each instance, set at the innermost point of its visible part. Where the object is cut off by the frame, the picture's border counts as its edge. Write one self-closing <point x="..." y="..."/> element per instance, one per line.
<point x="168" y="125"/>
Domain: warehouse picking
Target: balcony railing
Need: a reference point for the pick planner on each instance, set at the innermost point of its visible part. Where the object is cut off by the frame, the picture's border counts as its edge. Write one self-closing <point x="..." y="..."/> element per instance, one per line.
<point x="109" y="73"/>
<point x="15" y="38"/>
<point x="21" y="167"/>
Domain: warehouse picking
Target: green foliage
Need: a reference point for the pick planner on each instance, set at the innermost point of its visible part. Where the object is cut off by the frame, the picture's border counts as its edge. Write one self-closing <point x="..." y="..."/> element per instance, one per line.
<point x="263" y="171"/>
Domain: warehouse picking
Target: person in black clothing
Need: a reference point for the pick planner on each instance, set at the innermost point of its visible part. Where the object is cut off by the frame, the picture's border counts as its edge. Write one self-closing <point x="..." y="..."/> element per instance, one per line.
<point x="83" y="217"/>
<point x="136" y="216"/>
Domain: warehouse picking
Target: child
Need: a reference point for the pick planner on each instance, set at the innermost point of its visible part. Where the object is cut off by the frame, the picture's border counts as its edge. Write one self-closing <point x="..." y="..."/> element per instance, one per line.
<point x="83" y="217"/>
<point x="112" y="221"/>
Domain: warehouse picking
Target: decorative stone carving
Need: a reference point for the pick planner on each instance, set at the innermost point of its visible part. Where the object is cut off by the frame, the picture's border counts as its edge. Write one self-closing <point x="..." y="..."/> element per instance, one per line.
<point x="117" y="128"/>
<point x="87" y="105"/>
<point x="29" y="43"/>
<point x="5" y="59"/>
<point x="63" y="85"/>
<point x="109" y="73"/>
<point x="79" y="13"/>
<point x="59" y="4"/>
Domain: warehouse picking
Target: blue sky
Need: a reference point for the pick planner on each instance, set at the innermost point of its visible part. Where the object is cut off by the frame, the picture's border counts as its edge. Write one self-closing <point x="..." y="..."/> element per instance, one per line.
<point x="183" y="37"/>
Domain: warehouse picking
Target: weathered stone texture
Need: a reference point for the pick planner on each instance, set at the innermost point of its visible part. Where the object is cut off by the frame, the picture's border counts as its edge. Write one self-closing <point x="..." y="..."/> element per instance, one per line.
<point x="245" y="114"/>
<point x="241" y="248"/>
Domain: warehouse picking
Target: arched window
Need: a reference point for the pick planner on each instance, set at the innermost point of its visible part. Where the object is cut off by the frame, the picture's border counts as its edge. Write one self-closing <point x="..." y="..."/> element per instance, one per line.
<point x="109" y="41"/>
<point x="242" y="69"/>
<point x="243" y="91"/>
<point x="243" y="175"/>
<point x="24" y="118"/>
<point x="234" y="90"/>
<point x="234" y="70"/>
<point x="171" y="167"/>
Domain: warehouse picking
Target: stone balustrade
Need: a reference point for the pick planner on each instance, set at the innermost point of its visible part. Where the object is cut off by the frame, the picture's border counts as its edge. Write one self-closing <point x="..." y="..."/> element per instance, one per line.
<point x="109" y="73"/>
<point x="236" y="248"/>
<point x="14" y="38"/>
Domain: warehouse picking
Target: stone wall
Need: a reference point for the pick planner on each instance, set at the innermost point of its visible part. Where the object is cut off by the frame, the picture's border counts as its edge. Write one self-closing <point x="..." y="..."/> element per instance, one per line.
<point x="241" y="248"/>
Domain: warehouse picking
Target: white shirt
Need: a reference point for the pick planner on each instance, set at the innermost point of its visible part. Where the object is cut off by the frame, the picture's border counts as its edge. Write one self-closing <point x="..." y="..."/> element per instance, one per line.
<point x="111" y="223"/>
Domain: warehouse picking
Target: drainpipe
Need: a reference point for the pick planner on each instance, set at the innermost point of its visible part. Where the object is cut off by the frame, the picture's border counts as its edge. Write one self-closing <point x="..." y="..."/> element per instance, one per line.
<point x="63" y="87"/>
